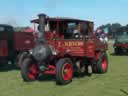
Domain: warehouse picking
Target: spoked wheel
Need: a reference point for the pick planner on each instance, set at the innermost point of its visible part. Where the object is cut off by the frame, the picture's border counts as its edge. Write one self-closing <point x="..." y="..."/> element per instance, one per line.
<point x="29" y="70"/>
<point x="64" y="71"/>
<point x="102" y="63"/>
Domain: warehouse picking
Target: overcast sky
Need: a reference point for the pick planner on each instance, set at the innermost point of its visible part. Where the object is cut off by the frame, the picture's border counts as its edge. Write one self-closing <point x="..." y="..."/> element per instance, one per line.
<point x="20" y="12"/>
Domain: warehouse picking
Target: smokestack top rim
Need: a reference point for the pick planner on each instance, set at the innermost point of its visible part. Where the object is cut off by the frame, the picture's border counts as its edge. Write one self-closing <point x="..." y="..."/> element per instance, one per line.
<point x="42" y="15"/>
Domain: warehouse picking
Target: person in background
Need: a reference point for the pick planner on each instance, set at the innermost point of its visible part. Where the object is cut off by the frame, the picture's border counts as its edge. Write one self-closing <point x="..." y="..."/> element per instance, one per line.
<point x="101" y="35"/>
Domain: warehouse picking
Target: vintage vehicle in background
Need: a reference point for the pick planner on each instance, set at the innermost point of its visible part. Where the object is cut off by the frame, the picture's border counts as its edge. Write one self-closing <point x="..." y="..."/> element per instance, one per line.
<point x="64" y="46"/>
<point x="121" y="43"/>
<point x="12" y="44"/>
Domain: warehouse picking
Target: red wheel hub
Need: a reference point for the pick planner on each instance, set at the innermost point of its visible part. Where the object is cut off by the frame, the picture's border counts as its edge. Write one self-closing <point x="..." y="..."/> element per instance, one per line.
<point x="32" y="71"/>
<point x="104" y="64"/>
<point x="67" y="72"/>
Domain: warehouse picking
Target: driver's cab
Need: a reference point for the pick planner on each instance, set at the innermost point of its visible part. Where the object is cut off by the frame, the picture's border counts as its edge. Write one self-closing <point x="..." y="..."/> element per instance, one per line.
<point x="76" y="30"/>
<point x="65" y="28"/>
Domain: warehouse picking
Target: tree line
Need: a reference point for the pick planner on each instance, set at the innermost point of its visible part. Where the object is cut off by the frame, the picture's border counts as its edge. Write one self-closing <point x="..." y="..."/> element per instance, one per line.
<point x="114" y="29"/>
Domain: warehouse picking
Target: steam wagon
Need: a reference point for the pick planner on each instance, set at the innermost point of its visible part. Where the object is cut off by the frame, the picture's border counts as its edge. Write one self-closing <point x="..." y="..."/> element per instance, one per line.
<point x="64" y="46"/>
<point x="12" y="44"/>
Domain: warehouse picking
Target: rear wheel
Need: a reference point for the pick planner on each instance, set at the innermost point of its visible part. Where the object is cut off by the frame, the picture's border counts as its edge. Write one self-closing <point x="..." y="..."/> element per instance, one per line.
<point x="29" y="70"/>
<point x="20" y="59"/>
<point x="102" y="63"/>
<point x="64" y="71"/>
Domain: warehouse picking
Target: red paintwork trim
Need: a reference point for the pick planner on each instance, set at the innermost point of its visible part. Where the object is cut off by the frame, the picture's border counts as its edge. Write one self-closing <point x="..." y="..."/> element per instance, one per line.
<point x="51" y="70"/>
<point x="51" y="66"/>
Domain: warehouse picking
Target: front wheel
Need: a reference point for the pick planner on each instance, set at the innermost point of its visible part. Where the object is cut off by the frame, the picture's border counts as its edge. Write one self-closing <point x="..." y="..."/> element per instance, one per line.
<point x="64" y="71"/>
<point x="29" y="70"/>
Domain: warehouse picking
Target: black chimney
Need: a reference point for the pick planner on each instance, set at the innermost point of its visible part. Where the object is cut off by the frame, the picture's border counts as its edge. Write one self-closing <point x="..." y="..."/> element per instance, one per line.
<point x="41" y="52"/>
<point x="41" y="37"/>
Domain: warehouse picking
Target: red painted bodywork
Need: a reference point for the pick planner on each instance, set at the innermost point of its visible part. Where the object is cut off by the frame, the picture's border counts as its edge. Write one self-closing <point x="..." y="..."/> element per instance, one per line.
<point x="51" y="69"/>
<point x="3" y="48"/>
<point x="23" y="41"/>
<point x="84" y="47"/>
<point x="80" y="48"/>
<point x="121" y="45"/>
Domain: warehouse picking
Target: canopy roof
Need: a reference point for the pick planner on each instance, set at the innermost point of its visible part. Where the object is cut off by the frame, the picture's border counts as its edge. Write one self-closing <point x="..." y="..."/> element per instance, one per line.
<point x="62" y="19"/>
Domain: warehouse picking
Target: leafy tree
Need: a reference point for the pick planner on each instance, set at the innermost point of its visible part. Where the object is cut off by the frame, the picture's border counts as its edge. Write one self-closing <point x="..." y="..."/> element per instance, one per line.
<point x="114" y="28"/>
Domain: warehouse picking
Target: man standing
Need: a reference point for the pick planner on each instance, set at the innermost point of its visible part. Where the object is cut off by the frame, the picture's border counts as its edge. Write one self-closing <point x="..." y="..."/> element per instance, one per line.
<point x="101" y="35"/>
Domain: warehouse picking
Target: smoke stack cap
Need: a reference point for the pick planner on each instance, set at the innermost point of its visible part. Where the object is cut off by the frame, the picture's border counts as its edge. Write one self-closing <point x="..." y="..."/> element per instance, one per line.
<point x="42" y="15"/>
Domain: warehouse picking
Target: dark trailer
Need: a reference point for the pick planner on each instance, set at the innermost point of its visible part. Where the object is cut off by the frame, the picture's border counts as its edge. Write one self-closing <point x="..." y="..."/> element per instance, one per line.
<point x="12" y="44"/>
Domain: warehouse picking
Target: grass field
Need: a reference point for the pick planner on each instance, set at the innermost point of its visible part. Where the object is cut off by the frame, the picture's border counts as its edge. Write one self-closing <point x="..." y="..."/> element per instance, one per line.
<point x="114" y="83"/>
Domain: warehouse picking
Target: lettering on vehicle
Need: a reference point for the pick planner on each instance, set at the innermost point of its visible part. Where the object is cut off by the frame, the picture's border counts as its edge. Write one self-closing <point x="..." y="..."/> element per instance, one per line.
<point x="73" y="43"/>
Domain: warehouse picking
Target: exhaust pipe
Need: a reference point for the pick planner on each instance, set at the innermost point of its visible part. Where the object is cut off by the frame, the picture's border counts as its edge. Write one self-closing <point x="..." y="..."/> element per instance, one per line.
<point x="41" y="28"/>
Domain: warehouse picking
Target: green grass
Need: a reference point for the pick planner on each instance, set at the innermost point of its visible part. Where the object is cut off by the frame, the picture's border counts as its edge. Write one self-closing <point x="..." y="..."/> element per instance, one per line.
<point x="114" y="83"/>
